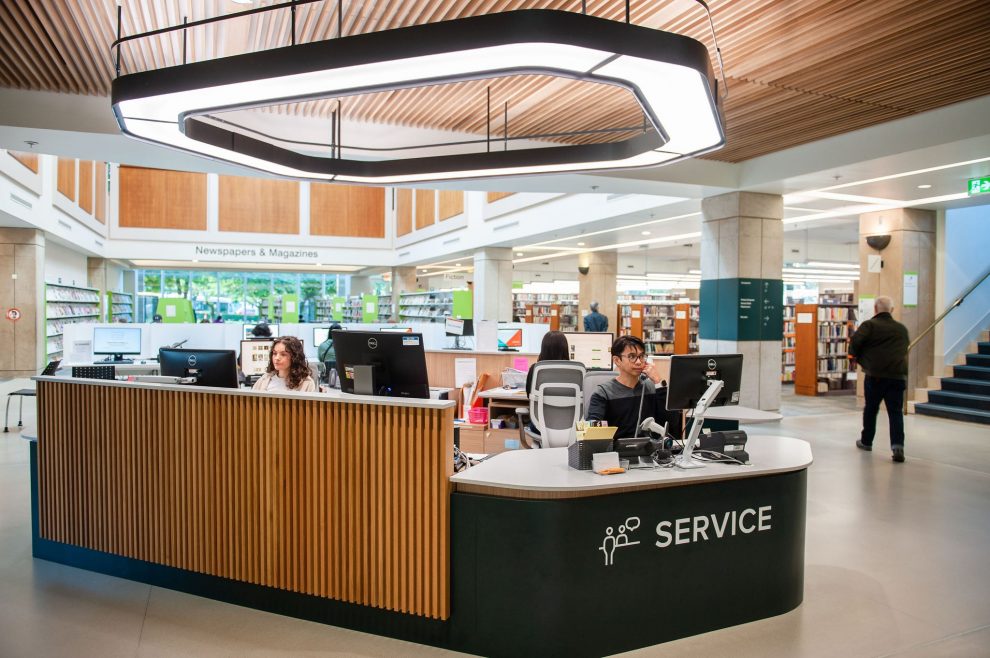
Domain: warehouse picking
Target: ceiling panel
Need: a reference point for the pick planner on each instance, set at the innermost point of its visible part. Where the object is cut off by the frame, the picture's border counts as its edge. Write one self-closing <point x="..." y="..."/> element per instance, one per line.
<point x="798" y="70"/>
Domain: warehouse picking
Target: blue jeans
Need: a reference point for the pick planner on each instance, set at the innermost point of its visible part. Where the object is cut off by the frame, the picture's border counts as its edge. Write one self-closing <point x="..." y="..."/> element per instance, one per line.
<point x="891" y="393"/>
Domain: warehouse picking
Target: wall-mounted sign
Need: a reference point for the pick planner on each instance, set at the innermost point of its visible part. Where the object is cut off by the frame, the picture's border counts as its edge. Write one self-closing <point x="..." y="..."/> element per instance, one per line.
<point x="978" y="186"/>
<point x="13" y="314"/>
<point x="910" y="289"/>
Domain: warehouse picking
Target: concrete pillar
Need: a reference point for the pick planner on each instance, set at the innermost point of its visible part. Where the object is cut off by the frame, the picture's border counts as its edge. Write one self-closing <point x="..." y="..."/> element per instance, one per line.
<point x="361" y="285"/>
<point x="403" y="280"/>
<point x="22" y="273"/>
<point x="493" y="284"/>
<point x="742" y="256"/>
<point x="106" y="276"/>
<point x="911" y="250"/>
<point x="598" y="285"/>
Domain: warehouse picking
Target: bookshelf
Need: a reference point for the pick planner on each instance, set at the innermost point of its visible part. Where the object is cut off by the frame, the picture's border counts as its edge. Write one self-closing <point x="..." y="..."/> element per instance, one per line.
<point x="822" y="333"/>
<point x="361" y="308"/>
<point x="276" y="310"/>
<point x="665" y="326"/>
<point x="435" y="305"/>
<point x="120" y="306"/>
<point x="559" y="311"/>
<point x="67" y="305"/>
<point x="329" y="309"/>
<point x="384" y="307"/>
<point x="787" y="345"/>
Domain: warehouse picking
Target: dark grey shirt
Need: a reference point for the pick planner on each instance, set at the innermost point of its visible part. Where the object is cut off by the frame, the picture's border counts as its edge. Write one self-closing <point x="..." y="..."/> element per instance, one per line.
<point x="619" y="405"/>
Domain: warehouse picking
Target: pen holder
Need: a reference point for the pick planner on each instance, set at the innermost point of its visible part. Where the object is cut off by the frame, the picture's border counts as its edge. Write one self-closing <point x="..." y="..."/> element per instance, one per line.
<point x="579" y="453"/>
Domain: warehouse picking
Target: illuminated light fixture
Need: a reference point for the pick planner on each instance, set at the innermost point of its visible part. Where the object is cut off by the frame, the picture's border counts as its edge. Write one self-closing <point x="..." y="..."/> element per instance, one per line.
<point x="669" y="75"/>
<point x="818" y="263"/>
<point x="457" y="264"/>
<point x="925" y="186"/>
<point x="645" y="233"/>
<point x="519" y="253"/>
<point x="580" y="244"/>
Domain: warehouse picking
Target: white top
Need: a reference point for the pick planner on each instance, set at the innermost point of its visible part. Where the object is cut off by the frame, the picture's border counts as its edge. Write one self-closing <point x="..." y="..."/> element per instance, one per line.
<point x="329" y="395"/>
<point x="276" y="383"/>
<point x="547" y="470"/>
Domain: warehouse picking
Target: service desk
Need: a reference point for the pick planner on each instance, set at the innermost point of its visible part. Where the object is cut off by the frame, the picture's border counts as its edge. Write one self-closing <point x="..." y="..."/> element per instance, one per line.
<point x="342" y="509"/>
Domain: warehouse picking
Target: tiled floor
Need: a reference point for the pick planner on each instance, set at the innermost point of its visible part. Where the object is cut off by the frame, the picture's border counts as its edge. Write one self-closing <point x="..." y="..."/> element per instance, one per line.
<point x="898" y="564"/>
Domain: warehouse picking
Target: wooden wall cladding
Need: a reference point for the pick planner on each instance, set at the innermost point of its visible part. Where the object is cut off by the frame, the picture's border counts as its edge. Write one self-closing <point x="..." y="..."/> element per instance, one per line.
<point x="100" y="200"/>
<point x="339" y="500"/>
<point x="495" y="196"/>
<point x="346" y="210"/>
<point x="158" y="198"/>
<point x="86" y="186"/>
<point x="66" y="178"/>
<point x="403" y="212"/>
<point x="29" y="160"/>
<point x="426" y="208"/>
<point x="451" y="204"/>
<point x="259" y="205"/>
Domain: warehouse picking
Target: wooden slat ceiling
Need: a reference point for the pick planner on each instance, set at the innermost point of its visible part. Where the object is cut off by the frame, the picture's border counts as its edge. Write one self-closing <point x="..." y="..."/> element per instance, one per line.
<point x="798" y="70"/>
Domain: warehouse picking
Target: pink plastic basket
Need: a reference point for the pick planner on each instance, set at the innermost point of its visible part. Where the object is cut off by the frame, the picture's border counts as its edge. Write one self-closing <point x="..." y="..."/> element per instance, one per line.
<point x="478" y="415"/>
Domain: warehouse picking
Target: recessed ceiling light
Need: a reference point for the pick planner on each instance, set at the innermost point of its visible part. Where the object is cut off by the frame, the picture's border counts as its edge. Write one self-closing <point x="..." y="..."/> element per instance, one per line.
<point x="580" y="244"/>
<point x="319" y="265"/>
<point x="519" y="253"/>
<point x="457" y="264"/>
<point x="926" y="186"/>
<point x="646" y="233"/>
<point x="424" y="271"/>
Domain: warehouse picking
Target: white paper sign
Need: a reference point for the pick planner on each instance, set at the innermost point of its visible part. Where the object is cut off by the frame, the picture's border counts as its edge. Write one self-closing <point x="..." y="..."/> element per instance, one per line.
<point x="82" y="350"/>
<point x="371" y="307"/>
<point x="290" y="306"/>
<point x="865" y="308"/>
<point x="465" y="372"/>
<point x="874" y="263"/>
<point x="636" y="314"/>
<point x="680" y="315"/>
<point x="804" y="318"/>
<point x="170" y="311"/>
<point x="910" y="289"/>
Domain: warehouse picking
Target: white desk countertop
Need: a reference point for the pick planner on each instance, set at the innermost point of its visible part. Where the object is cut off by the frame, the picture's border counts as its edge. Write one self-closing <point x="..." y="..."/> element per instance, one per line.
<point x="504" y="393"/>
<point x="742" y="414"/>
<point x="547" y="470"/>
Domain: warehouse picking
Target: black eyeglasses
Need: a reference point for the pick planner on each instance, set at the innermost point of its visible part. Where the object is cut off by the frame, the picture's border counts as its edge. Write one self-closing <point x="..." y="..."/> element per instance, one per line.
<point x="634" y="358"/>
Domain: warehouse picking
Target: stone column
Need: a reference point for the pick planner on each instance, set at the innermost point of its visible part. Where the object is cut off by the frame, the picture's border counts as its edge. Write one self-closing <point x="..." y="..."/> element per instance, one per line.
<point x="22" y="271"/>
<point x="911" y="251"/>
<point x="403" y="280"/>
<point x="598" y="285"/>
<point x="742" y="257"/>
<point x="493" y="284"/>
<point x="361" y="285"/>
<point x="106" y="276"/>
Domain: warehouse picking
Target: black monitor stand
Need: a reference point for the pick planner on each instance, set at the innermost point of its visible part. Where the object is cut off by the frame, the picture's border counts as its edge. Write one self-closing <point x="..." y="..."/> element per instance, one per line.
<point x="116" y="358"/>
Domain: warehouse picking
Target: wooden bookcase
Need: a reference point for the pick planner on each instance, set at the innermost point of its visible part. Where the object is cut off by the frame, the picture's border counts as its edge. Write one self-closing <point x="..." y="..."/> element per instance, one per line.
<point x="822" y="338"/>
<point x="665" y="326"/>
<point x="787" y="346"/>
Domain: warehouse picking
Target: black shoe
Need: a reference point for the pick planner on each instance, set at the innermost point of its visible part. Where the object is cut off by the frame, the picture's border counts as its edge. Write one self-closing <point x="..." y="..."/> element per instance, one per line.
<point x="863" y="446"/>
<point x="898" y="454"/>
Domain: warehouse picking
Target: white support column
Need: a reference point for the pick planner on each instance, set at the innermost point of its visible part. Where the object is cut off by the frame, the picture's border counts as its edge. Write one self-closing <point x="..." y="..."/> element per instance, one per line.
<point x="493" y="284"/>
<point x="598" y="285"/>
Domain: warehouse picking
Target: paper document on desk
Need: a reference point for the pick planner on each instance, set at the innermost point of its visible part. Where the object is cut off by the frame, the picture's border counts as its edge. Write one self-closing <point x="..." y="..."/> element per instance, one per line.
<point x="465" y="371"/>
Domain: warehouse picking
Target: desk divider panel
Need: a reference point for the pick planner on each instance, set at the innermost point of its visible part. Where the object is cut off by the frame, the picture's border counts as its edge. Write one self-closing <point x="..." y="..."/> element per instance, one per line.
<point x="343" y="500"/>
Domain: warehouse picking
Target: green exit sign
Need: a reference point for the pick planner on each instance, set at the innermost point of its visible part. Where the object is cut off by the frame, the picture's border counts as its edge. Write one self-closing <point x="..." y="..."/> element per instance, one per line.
<point x="979" y="185"/>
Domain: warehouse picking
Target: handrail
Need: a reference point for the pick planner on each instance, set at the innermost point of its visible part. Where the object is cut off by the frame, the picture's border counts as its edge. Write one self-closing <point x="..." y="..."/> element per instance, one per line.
<point x="957" y="302"/>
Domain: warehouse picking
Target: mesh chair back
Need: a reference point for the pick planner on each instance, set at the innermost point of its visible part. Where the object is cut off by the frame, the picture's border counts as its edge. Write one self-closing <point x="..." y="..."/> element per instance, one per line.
<point x="557" y="400"/>
<point x="592" y="379"/>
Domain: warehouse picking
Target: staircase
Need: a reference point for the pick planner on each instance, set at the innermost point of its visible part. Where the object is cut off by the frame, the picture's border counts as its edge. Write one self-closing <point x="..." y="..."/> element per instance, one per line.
<point x="966" y="394"/>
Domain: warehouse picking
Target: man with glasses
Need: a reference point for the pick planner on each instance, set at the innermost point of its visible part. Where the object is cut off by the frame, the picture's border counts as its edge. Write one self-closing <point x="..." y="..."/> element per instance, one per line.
<point x="618" y="401"/>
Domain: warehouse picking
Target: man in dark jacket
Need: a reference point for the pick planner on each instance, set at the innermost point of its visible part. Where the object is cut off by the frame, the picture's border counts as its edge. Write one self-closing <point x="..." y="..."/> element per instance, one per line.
<point x="595" y="321"/>
<point x="880" y="345"/>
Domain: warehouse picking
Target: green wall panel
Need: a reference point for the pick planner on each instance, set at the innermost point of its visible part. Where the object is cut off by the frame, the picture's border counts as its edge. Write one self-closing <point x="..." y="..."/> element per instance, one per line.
<point x="741" y="309"/>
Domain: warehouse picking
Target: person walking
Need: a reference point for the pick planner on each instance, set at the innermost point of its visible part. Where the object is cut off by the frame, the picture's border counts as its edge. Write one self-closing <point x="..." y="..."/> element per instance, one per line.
<point x="880" y="346"/>
<point x="595" y="321"/>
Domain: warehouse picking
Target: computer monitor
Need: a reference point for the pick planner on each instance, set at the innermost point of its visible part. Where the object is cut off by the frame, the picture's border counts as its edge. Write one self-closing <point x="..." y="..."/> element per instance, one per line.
<point x="456" y="327"/>
<point x="255" y="355"/>
<point x="217" y="368"/>
<point x="377" y="363"/>
<point x="691" y="373"/>
<point x="248" y="328"/>
<point x="509" y="340"/>
<point x="116" y="341"/>
<point x="321" y="334"/>
<point x="396" y="330"/>
<point x="593" y="349"/>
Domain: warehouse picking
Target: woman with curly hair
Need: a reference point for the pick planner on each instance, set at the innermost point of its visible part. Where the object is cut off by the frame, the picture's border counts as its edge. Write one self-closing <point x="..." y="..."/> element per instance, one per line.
<point x="287" y="368"/>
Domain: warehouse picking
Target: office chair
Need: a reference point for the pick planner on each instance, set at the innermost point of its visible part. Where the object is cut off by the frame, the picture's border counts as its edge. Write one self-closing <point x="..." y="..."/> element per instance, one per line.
<point x="592" y="379"/>
<point x="555" y="405"/>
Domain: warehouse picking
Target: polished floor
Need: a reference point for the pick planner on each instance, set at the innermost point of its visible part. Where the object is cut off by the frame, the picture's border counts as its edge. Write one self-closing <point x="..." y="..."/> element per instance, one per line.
<point x="898" y="564"/>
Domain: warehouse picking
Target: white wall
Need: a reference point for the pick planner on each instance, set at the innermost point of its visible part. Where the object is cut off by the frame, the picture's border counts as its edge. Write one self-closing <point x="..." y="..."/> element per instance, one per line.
<point x="967" y="245"/>
<point x="63" y="265"/>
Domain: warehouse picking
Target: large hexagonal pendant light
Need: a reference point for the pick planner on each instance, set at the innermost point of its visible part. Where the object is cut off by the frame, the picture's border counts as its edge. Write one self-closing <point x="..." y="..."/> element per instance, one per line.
<point x="668" y="74"/>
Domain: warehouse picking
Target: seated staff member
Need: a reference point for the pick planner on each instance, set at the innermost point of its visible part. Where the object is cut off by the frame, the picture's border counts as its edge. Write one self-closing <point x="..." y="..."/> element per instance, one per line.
<point x="287" y="368"/>
<point x="618" y="401"/>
